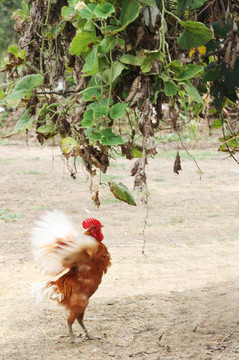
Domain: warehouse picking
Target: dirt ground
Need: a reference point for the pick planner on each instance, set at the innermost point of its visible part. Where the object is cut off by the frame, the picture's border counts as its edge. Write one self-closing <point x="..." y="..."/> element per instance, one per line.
<point x="178" y="301"/>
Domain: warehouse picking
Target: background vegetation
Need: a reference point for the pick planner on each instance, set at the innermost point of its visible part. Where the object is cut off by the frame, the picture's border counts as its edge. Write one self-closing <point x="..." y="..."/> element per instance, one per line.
<point x="7" y="35"/>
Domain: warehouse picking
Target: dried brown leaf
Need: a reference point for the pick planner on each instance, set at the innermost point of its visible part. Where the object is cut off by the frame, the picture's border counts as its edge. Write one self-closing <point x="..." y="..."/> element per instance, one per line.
<point x="135" y="167"/>
<point x="126" y="150"/>
<point x="95" y="198"/>
<point x="177" y="164"/>
<point x="138" y="171"/>
<point x="134" y="88"/>
<point x="140" y="35"/>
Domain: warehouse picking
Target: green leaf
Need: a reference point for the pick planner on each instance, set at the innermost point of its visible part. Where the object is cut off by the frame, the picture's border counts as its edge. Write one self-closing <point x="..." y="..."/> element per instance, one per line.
<point x="175" y="64"/>
<point x="188" y="72"/>
<point x="146" y="65"/>
<point x="46" y="129"/>
<point x="13" y="99"/>
<point x="13" y="49"/>
<point x="67" y="12"/>
<point x="147" y="2"/>
<point x="121" y="192"/>
<point x="82" y="41"/>
<point x="109" y="138"/>
<point x="104" y="11"/>
<point x="88" y="12"/>
<point x="217" y="124"/>
<point x="88" y="118"/>
<point x="107" y="44"/>
<point x="192" y="91"/>
<point x="24" y="123"/>
<point x="67" y="145"/>
<point x="129" y="12"/>
<point x="229" y="141"/>
<point x="91" y="66"/>
<point x="117" y="111"/>
<point x="211" y="73"/>
<point x="92" y="134"/>
<point x="2" y="93"/>
<point x="111" y="74"/>
<point x="149" y="56"/>
<point x="101" y="111"/>
<point x="182" y="5"/>
<point x="194" y="35"/>
<point x="94" y="89"/>
<point x="136" y="153"/>
<point x="195" y="4"/>
<point x="221" y="30"/>
<point x="101" y="102"/>
<point x="29" y="82"/>
<point x="132" y="60"/>
<point x="103" y="63"/>
<point x="23" y="88"/>
<point x="170" y="88"/>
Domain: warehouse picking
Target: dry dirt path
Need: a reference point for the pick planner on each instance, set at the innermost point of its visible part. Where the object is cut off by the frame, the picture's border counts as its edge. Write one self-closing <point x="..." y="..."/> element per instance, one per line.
<point x="179" y="301"/>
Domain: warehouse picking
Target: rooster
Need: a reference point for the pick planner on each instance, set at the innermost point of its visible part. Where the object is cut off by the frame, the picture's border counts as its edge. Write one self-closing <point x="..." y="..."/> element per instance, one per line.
<point x="58" y="246"/>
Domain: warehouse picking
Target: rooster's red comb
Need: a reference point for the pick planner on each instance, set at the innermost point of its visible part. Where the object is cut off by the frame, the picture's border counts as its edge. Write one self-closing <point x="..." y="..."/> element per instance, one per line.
<point x="90" y="222"/>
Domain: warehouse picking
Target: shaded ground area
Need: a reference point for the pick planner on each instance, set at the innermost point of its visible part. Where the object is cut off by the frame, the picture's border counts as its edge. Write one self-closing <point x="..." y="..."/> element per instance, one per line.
<point x="179" y="301"/>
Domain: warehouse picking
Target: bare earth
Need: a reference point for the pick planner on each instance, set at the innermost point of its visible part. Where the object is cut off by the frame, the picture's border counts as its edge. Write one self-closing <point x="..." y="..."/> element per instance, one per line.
<point x="178" y="301"/>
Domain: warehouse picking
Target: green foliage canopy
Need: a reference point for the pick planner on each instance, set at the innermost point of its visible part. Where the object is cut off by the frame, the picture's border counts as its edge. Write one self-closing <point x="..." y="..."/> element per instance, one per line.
<point x="96" y="73"/>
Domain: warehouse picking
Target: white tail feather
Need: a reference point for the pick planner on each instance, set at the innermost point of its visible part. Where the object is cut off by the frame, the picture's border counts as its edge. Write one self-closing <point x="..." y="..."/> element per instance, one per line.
<point x="42" y="291"/>
<point x="56" y="244"/>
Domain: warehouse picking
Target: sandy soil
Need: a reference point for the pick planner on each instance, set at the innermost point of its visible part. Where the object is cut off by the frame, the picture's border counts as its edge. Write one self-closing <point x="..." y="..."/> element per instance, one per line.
<point x="178" y="301"/>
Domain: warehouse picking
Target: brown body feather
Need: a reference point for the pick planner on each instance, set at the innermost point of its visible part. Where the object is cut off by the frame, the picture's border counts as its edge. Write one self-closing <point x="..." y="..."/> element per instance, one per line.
<point x="81" y="281"/>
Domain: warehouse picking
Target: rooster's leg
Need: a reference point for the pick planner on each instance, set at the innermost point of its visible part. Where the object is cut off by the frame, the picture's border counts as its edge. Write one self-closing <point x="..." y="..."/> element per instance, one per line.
<point x="70" y="332"/>
<point x="80" y="321"/>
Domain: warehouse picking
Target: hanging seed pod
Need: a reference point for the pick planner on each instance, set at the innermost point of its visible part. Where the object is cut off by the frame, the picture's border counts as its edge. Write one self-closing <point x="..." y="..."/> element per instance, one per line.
<point x="136" y="85"/>
<point x="140" y="35"/>
<point x="177" y="164"/>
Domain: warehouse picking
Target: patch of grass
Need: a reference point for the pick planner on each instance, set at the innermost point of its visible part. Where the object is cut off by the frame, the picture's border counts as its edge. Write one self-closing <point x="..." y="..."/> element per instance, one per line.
<point x="168" y="138"/>
<point x="79" y="160"/>
<point x="221" y="240"/>
<point x="196" y="154"/>
<point x="213" y="215"/>
<point x="176" y="220"/>
<point x="32" y="172"/>
<point x="111" y="200"/>
<point x="6" y="161"/>
<point x="43" y="207"/>
<point x="203" y="155"/>
<point x="203" y="241"/>
<point x="107" y="177"/>
<point x="7" y="216"/>
<point x="190" y="243"/>
<point x="158" y="179"/>
<point x="116" y="164"/>
<point x="5" y="142"/>
<point x="204" y="187"/>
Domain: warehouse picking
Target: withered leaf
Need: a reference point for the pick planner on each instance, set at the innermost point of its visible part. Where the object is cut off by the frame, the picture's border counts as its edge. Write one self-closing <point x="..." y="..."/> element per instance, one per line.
<point x="140" y="35"/>
<point x="138" y="171"/>
<point x="126" y="150"/>
<point x="135" y="167"/>
<point x="134" y="88"/>
<point x="177" y="164"/>
<point x="95" y="198"/>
